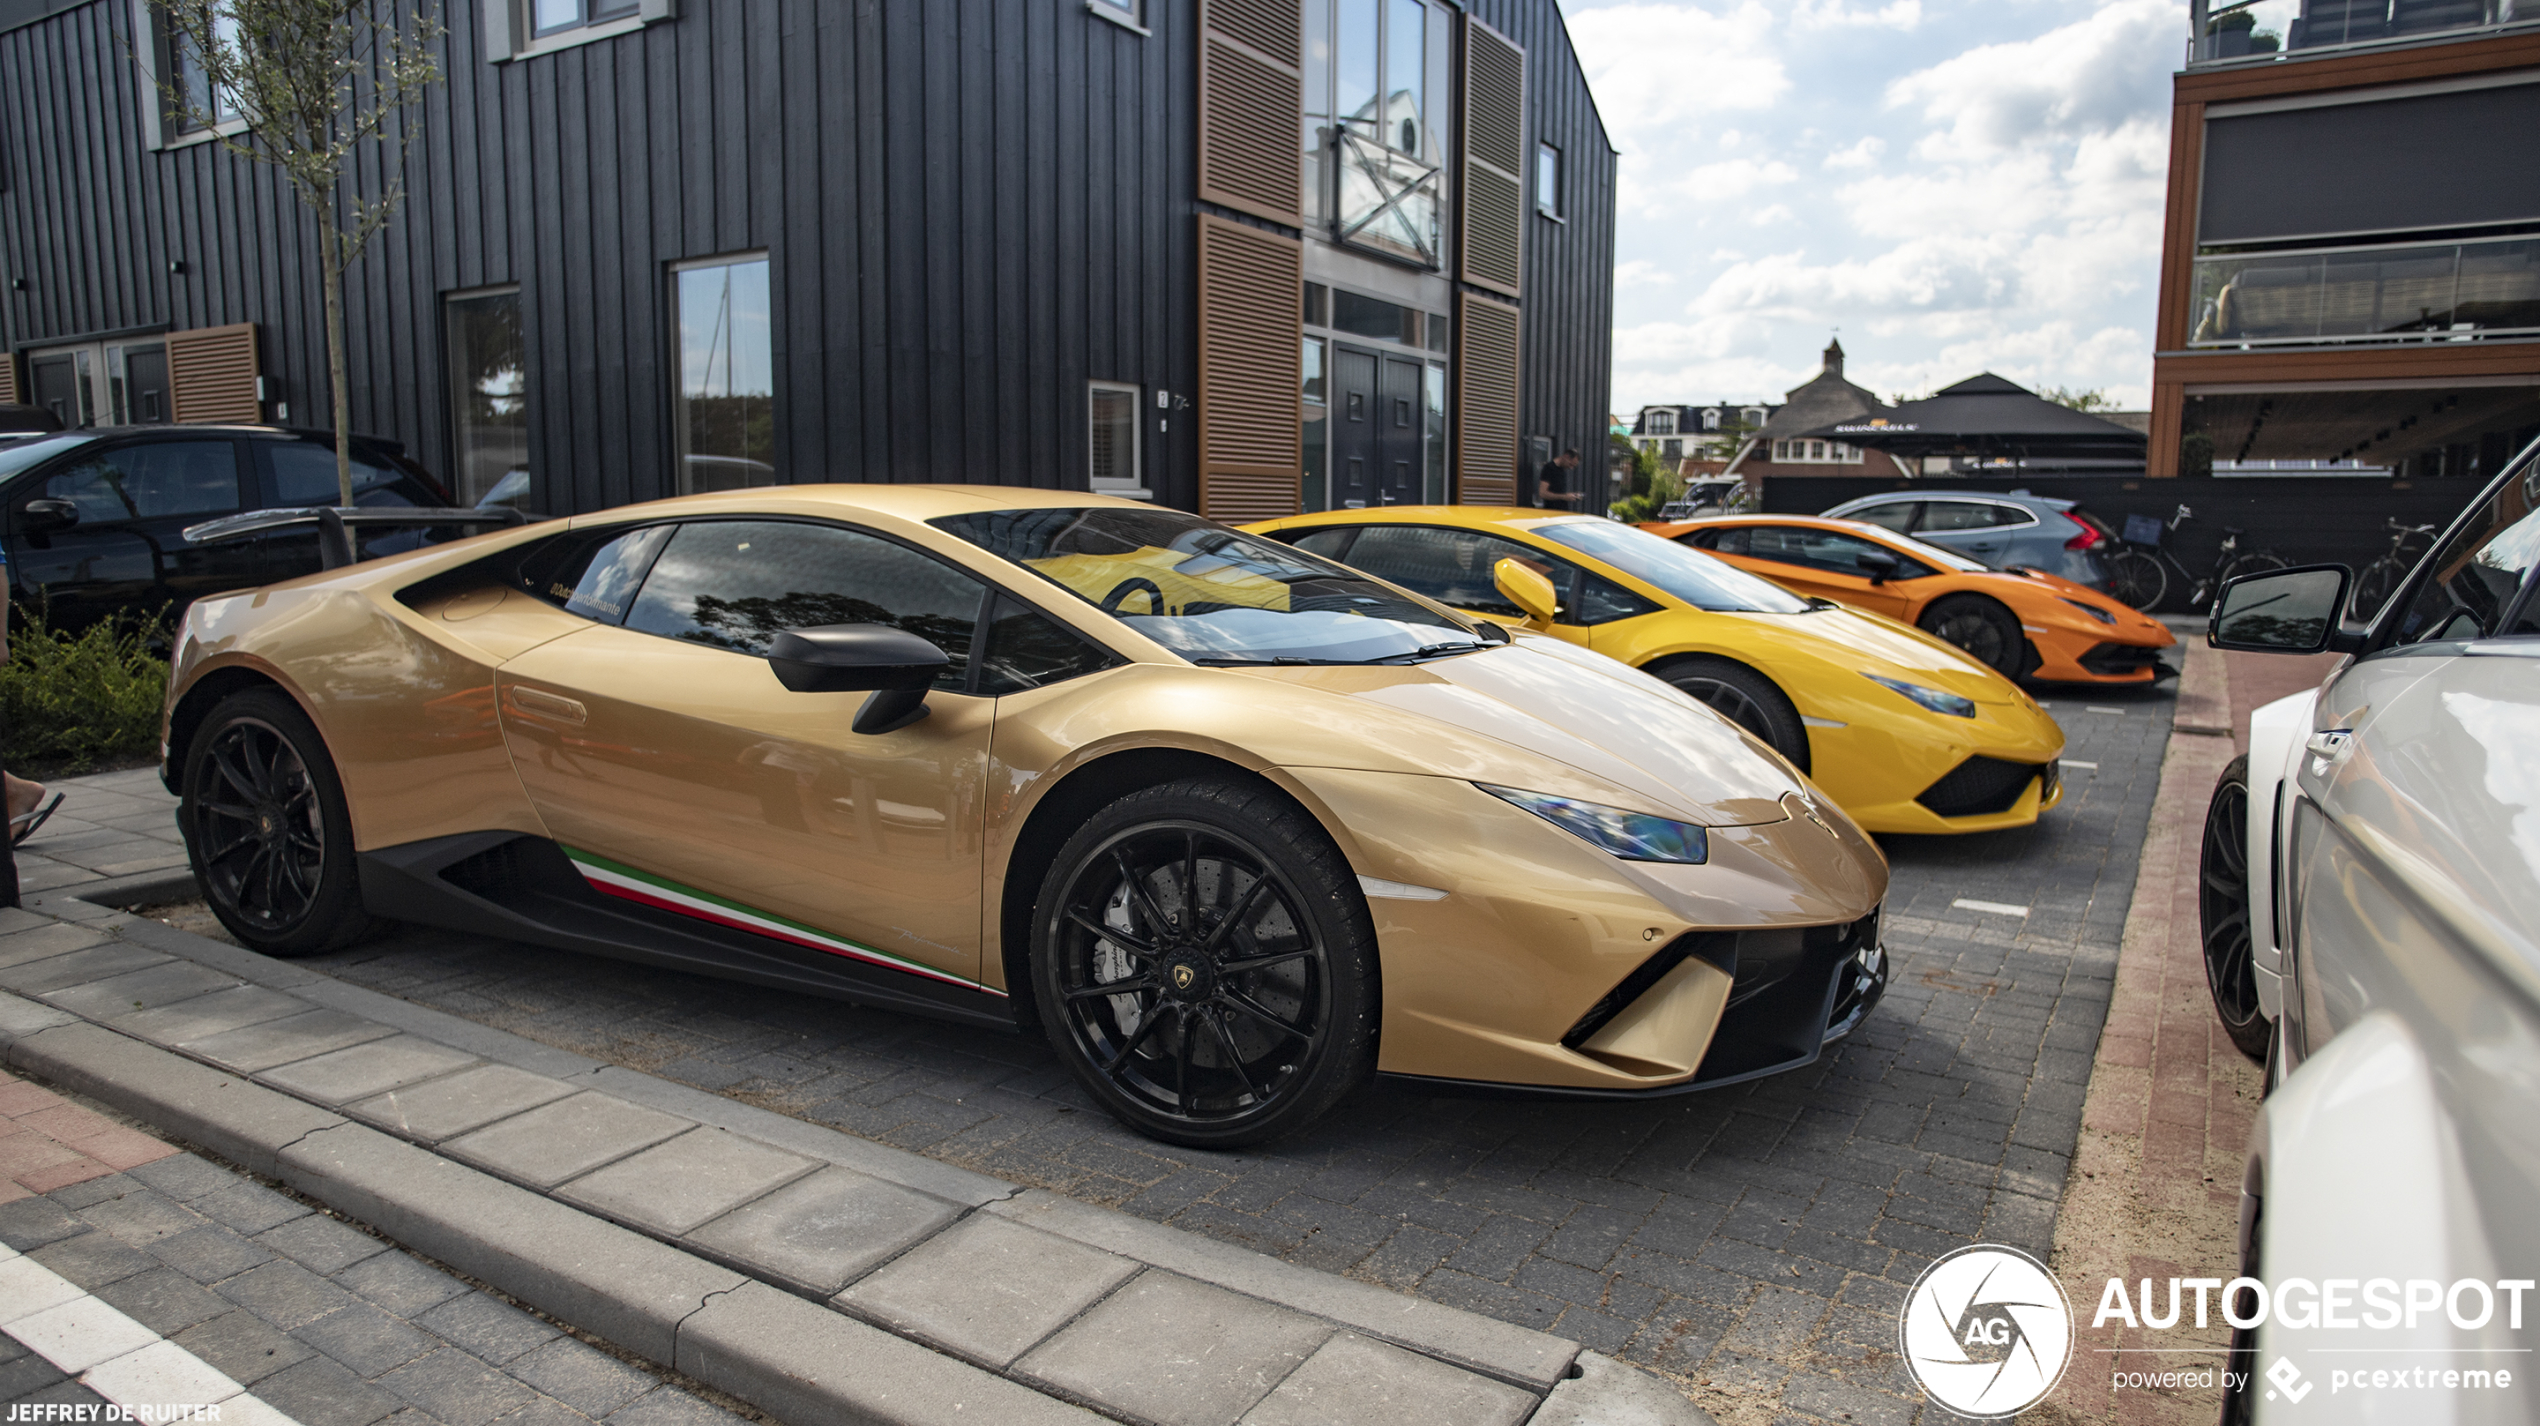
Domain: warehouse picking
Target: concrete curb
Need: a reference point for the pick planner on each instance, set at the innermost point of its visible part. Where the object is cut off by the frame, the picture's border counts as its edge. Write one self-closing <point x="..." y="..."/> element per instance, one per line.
<point x="691" y="1305"/>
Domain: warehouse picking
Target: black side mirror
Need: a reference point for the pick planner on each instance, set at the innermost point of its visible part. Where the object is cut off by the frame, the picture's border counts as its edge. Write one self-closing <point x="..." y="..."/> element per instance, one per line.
<point x="896" y="666"/>
<point x="44" y="515"/>
<point x="1879" y="565"/>
<point x="2284" y="611"/>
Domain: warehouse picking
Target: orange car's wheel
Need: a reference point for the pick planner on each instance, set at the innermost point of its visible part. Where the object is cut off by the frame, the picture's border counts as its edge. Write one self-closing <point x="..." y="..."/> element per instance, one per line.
<point x="1981" y="626"/>
<point x="266" y="829"/>
<point x="1205" y="964"/>
<point x="1744" y="697"/>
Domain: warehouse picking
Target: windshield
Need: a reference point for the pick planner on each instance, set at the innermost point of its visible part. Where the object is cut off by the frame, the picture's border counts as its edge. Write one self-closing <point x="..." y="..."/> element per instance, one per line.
<point x="1690" y="575"/>
<point x="16" y="456"/>
<point x="1211" y="594"/>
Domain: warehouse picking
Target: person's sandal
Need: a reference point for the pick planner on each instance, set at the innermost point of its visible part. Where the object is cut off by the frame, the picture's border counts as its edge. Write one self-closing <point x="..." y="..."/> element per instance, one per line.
<point x="23" y="827"/>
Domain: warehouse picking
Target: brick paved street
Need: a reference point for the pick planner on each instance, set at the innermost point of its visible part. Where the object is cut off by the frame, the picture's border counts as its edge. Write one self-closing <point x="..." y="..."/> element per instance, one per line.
<point x="1754" y="1243"/>
<point x="319" y="1321"/>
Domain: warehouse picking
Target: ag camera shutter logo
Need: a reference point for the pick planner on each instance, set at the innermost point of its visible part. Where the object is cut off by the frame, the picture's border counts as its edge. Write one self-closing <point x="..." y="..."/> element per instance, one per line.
<point x="1987" y="1331"/>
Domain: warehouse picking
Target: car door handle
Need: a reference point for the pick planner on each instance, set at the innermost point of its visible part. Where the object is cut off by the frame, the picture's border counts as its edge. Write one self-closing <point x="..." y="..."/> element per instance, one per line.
<point x="539" y="703"/>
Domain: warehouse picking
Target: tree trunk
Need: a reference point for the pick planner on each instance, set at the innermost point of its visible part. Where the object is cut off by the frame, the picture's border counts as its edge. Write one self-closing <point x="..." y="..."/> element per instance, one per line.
<point x="332" y="269"/>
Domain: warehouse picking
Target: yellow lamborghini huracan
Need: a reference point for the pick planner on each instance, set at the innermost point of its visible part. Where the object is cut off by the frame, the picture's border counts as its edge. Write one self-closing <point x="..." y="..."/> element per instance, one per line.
<point x="1907" y="733"/>
<point x="1234" y="826"/>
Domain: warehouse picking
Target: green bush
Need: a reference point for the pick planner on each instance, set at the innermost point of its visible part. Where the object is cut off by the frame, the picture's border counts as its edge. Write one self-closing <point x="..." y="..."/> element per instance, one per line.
<point x="69" y="702"/>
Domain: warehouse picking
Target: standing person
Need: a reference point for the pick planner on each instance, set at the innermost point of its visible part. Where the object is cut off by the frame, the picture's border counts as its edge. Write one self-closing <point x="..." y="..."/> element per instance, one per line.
<point x="1552" y="483"/>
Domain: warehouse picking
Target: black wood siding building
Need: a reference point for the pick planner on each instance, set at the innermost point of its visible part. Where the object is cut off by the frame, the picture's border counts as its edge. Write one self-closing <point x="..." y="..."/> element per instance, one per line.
<point x="969" y="211"/>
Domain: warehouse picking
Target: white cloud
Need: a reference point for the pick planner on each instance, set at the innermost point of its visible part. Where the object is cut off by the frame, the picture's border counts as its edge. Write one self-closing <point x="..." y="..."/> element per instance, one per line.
<point x="1982" y="189"/>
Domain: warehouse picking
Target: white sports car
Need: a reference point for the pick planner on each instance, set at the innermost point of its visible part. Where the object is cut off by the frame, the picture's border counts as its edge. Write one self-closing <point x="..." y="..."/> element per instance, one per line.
<point x="2372" y="931"/>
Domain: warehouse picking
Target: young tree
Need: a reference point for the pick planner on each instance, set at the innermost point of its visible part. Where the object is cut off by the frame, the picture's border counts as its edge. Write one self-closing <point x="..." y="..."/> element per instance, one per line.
<point x="2094" y="399"/>
<point x="304" y="85"/>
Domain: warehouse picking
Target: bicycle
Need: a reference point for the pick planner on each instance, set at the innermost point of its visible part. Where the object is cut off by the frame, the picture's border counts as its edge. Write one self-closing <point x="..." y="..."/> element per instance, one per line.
<point x="2139" y="572"/>
<point x="2380" y="579"/>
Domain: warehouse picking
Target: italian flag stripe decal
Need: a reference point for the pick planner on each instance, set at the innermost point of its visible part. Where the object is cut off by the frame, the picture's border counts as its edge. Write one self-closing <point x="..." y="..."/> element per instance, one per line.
<point x="645" y="889"/>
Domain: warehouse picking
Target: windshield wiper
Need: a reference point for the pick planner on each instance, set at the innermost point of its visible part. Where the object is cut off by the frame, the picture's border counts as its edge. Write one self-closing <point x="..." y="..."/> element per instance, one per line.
<point x="1434" y="651"/>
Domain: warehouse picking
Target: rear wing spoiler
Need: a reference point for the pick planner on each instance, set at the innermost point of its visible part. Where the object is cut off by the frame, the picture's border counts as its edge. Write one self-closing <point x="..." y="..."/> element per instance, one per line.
<point x="335" y="525"/>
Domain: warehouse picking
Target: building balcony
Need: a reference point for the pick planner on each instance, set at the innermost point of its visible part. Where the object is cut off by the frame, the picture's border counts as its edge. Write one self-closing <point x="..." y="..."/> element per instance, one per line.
<point x="2385" y="294"/>
<point x="2239" y="32"/>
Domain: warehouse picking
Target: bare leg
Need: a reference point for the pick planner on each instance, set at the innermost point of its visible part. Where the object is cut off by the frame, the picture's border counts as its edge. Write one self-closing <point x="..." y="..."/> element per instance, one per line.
<point x="24" y="796"/>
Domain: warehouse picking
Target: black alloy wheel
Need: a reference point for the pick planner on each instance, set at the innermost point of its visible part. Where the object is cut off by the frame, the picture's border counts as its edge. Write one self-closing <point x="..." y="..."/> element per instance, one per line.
<point x="2223" y="912"/>
<point x="1205" y="964"/>
<point x="266" y="830"/>
<point x="1988" y="632"/>
<point x="2137" y="580"/>
<point x="1744" y="697"/>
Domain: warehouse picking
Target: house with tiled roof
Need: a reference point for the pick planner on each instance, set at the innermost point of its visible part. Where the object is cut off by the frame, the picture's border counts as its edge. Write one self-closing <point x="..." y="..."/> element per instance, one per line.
<point x="1785" y="447"/>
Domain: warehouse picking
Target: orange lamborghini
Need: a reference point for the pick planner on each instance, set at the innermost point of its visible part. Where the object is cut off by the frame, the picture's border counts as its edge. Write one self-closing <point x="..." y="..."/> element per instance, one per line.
<point x="2026" y="623"/>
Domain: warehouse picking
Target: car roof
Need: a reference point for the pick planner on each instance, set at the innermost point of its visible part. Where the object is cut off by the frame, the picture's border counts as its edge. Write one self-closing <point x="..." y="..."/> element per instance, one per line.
<point x="907" y="502"/>
<point x="1471" y="516"/>
<point x="2008" y="497"/>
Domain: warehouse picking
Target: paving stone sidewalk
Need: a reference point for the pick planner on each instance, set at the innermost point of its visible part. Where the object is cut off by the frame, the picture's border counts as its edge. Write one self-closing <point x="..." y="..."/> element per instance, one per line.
<point x="322" y="1323"/>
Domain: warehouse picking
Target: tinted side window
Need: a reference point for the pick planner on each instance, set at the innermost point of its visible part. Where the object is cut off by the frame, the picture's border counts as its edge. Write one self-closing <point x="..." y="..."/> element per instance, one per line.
<point x="1332" y="544"/>
<point x="1897" y="515"/>
<point x="1827" y="550"/>
<point x="593" y="573"/>
<point x="1943" y="515"/>
<point x="300" y="473"/>
<point x="736" y="584"/>
<point x="1602" y="601"/>
<point x="1452" y="567"/>
<point x="2471" y="581"/>
<point x="1026" y="648"/>
<point x="155" y="480"/>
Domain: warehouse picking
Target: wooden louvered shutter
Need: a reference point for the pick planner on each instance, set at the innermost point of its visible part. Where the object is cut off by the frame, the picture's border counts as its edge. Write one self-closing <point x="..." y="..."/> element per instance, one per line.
<point x="1494" y="209"/>
<point x="9" y="379"/>
<point x="1251" y="90"/>
<point x="1486" y="402"/>
<point x="212" y="375"/>
<point x="1251" y="371"/>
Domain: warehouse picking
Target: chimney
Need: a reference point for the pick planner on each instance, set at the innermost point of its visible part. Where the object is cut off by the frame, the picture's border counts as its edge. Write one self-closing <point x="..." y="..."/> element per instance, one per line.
<point x="1834" y="357"/>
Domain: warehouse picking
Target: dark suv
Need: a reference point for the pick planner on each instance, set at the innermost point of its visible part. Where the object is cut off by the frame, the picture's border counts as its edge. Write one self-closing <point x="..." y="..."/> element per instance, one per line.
<point x="96" y="518"/>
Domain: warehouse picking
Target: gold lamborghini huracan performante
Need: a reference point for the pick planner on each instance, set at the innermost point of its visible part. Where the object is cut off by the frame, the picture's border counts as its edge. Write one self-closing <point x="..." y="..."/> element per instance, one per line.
<point x="1235" y="827"/>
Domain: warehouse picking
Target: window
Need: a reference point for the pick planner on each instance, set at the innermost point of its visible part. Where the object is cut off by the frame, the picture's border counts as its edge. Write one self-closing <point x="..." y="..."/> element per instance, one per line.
<point x="1662" y="423"/>
<point x="1826" y="550"/>
<point x="1548" y="180"/>
<point x="303" y="473"/>
<point x="1815" y="453"/>
<point x="1453" y="567"/>
<point x="489" y="394"/>
<point x="547" y="17"/>
<point x="1028" y="649"/>
<point x="1131" y="13"/>
<point x="737" y="584"/>
<point x="201" y="100"/>
<point x="1897" y="515"/>
<point x="1671" y="450"/>
<point x="1314" y="413"/>
<point x="156" y="480"/>
<point x="1970" y="515"/>
<point x="1362" y="316"/>
<point x="1689" y="575"/>
<point x="1602" y="601"/>
<point x="1753" y="415"/>
<point x="1711" y="419"/>
<point x="726" y="406"/>
<point x="594" y="573"/>
<point x="1111" y="439"/>
<point x="1382" y="118"/>
<point x="2471" y="582"/>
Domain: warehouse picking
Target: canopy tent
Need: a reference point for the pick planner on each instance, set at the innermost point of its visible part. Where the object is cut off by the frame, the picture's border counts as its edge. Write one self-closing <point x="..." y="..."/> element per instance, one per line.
<point x="1989" y="419"/>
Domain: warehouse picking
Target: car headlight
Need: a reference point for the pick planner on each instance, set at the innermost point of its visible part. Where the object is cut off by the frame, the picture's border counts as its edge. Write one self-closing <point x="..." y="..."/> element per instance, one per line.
<point x="1633" y="836"/>
<point x="1931" y="698"/>
<point x="2094" y="611"/>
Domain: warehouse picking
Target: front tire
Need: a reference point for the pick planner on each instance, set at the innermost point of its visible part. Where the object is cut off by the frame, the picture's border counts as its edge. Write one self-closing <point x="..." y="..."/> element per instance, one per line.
<point x="2223" y="900"/>
<point x="2137" y="580"/>
<point x="1988" y="632"/>
<point x="1205" y="964"/>
<point x="1744" y="697"/>
<point x="266" y="828"/>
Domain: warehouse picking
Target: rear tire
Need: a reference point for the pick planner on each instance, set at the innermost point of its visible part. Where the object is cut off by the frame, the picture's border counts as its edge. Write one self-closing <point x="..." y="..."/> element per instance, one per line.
<point x="1744" y="697"/>
<point x="1987" y="631"/>
<point x="2222" y="903"/>
<point x="266" y="828"/>
<point x="1205" y="964"/>
<point x="2137" y="580"/>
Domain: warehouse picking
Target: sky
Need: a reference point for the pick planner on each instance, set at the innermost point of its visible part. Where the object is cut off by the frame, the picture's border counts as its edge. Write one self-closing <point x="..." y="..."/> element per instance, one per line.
<point x="1949" y="186"/>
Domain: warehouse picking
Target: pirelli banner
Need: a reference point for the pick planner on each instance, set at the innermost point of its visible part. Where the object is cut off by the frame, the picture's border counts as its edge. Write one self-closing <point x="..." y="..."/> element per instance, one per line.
<point x="1251" y="371"/>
